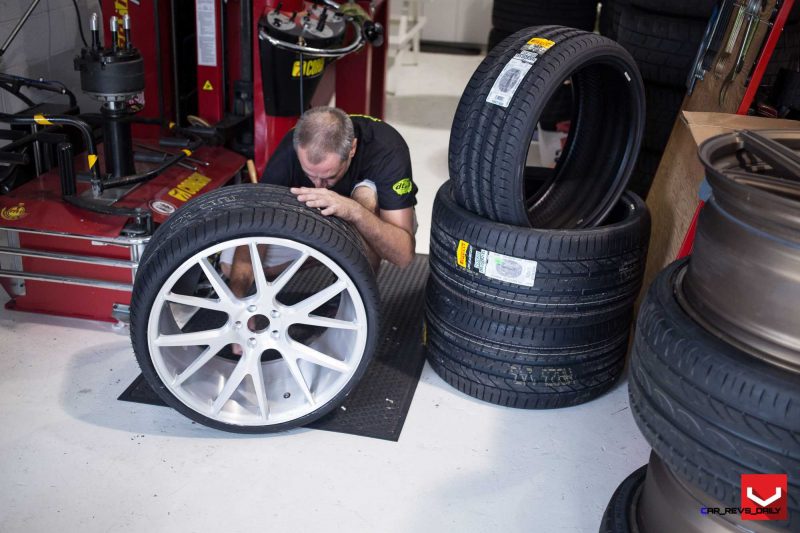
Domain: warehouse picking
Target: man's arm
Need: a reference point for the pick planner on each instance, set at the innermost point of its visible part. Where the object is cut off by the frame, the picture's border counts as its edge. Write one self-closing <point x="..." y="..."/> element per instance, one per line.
<point x="391" y="235"/>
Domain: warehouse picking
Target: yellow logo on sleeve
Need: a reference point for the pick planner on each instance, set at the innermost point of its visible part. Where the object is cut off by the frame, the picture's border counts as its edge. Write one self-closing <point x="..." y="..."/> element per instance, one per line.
<point x="404" y="186"/>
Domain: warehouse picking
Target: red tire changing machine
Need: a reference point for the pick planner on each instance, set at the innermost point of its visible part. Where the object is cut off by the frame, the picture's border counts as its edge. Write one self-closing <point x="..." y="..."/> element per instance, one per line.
<point x="76" y="213"/>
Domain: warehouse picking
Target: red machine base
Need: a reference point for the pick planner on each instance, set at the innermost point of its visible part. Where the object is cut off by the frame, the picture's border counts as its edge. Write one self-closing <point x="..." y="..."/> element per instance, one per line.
<point x="62" y="260"/>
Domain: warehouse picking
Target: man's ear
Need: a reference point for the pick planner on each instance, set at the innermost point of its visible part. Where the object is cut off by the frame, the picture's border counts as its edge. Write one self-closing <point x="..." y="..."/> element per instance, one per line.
<point x="353" y="147"/>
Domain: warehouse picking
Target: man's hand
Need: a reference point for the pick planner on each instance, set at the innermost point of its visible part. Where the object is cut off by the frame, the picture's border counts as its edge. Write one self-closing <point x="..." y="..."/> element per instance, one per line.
<point x="328" y="202"/>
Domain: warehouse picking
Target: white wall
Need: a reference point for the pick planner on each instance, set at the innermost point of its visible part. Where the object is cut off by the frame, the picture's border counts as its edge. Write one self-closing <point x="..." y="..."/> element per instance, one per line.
<point x="456" y="21"/>
<point x="45" y="47"/>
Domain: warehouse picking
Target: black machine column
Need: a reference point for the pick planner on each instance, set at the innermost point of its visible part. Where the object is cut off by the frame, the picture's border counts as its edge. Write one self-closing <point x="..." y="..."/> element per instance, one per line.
<point x="113" y="76"/>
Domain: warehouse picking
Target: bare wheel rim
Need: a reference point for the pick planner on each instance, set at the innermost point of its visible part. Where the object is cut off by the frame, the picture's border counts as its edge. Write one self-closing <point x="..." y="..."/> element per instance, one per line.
<point x="299" y="348"/>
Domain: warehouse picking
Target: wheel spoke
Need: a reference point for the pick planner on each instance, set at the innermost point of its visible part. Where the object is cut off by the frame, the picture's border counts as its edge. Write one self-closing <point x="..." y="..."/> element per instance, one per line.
<point x="318" y="358"/>
<point x="283" y="278"/>
<point x="231" y="384"/>
<point x="220" y="287"/>
<point x="315" y="300"/>
<point x="196" y="338"/>
<point x="262" y="286"/>
<point x="198" y="363"/>
<point x="261" y="393"/>
<point x="313" y="320"/>
<point x="297" y="374"/>
<point x="194" y="301"/>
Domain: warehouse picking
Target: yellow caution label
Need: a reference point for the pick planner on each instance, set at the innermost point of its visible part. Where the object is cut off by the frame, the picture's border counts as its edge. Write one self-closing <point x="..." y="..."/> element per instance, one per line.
<point x="187" y="152"/>
<point x="92" y="160"/>
<point x="541" y="43"/>
<point x="14" y="212"/>
<point x="461" y="253"/>
<point x="311" y="68"/>
<point x="189" y="187"/>
<point x="172" y="125"/>
<point x="41" y="120"/>
<point x="207" y="86"/>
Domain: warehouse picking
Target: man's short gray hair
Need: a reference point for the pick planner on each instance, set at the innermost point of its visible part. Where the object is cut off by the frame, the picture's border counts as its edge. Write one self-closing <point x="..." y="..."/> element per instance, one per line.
<point x="322" y="131"/>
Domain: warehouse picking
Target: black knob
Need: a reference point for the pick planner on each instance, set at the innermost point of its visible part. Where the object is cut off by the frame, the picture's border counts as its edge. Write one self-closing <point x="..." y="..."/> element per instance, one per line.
<point x="373" y="32"/>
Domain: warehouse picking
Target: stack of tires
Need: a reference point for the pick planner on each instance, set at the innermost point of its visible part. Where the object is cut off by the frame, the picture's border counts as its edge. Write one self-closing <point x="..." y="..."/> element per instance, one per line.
<point x="663" y="37"/>
<point x="715" y="367"/>
<point x="534" y="276"/>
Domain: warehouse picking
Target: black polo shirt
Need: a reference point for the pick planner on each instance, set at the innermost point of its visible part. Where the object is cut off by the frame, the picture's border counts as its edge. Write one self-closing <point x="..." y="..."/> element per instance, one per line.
<point x="381" y="157"/>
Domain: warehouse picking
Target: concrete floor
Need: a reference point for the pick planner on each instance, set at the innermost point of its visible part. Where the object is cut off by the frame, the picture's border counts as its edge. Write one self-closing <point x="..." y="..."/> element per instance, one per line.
<point x="73" y="458"/>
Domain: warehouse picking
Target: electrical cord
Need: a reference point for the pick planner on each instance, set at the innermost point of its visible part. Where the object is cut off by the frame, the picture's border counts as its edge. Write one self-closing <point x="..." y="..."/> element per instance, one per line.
<point x="80" y="25"/>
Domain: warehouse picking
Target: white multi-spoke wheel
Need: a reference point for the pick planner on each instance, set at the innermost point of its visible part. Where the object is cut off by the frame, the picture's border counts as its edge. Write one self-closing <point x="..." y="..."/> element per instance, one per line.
<point x="260" y="357"/>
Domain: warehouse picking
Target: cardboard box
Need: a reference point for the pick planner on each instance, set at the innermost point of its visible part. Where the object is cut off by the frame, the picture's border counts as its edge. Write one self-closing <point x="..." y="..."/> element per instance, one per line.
<point x="703" y="126"/>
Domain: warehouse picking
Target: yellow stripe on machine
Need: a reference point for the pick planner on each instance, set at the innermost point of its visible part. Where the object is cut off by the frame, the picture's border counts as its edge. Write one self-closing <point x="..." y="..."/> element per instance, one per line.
<point x="39" y="119"/>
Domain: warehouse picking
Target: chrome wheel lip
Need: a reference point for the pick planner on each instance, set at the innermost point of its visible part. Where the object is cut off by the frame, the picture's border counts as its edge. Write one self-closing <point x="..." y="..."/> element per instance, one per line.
<point x="238" y="314"/>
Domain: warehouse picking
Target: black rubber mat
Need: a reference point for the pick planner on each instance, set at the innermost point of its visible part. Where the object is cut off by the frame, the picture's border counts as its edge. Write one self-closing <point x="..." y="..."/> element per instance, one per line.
<point x="378" y="405"/>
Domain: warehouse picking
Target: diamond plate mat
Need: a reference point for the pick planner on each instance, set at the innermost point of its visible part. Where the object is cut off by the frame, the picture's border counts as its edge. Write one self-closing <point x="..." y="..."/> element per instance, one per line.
<point x="378" y="405"/>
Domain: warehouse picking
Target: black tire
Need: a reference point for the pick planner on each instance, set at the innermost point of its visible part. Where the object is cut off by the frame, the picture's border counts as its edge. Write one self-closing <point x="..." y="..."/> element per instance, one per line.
<point x="645" y="172"/>
<point x="496" y="37"/>
<point x="610" y="13"/>
<point x="711" y="411"/>
<point x="698" y="9"/>
<point x="489" y="143"/>
<point x="527" y="368"/>
<point x="207" y="207"/>
<point x="664" y="47"/>
<point x="617" y="517"/>
<point x="236" y="212"/>
<point x="513" y="15"/>
<point x="663" y="106"/>
<point x="582" y="277"/>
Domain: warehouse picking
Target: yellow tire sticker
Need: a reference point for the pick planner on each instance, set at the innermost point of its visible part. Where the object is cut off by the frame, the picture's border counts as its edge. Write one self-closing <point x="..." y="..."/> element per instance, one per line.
<point x="187" y="152"/>
<point x="39" y="119"/>
<point x="92" y="160"/>
<point x="461" y="254"/>
<point x="541" y="43"/>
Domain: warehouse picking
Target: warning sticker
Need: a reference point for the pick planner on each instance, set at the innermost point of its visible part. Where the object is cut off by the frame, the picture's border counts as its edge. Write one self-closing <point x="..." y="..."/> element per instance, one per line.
<point x="507" y="83"/>
<point x="206" y="24"/>
<point x="207" y="86"/>
<point x="496" y="266"/>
